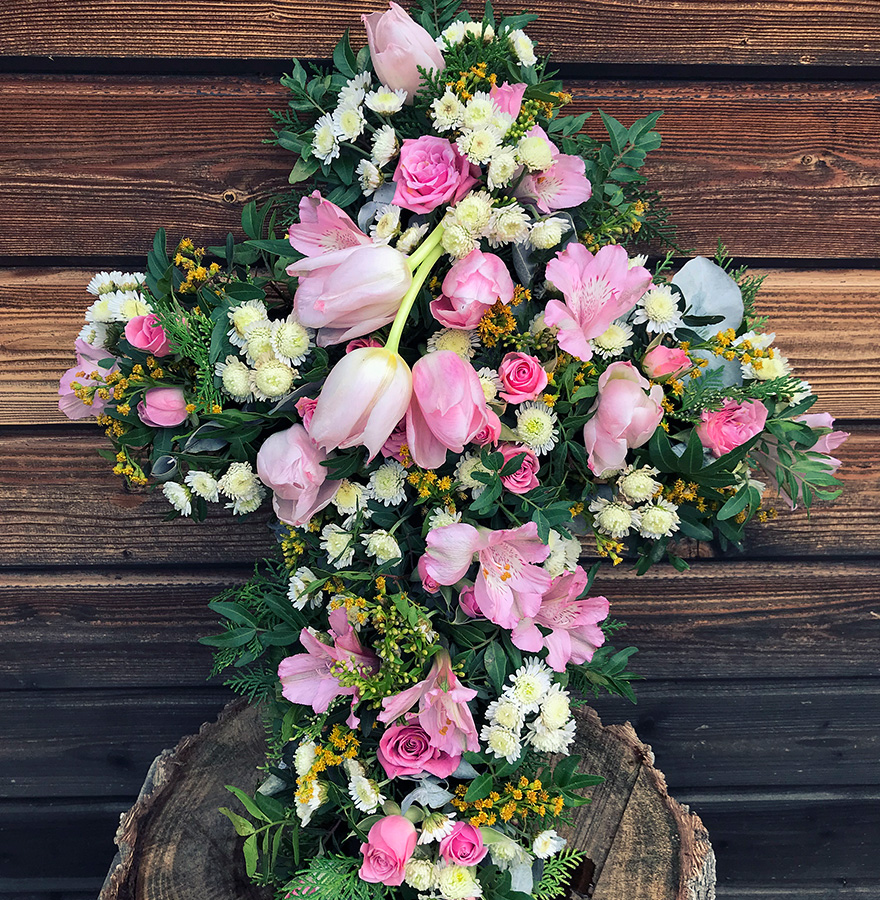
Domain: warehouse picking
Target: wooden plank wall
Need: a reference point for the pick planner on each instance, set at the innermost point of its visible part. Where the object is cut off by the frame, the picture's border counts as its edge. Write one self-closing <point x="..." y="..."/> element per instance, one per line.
<point x="763" y="695"/>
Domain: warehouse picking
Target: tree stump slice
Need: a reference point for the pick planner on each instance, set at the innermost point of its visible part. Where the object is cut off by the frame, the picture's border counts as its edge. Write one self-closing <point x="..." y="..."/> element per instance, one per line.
<point x="175" y="845"/>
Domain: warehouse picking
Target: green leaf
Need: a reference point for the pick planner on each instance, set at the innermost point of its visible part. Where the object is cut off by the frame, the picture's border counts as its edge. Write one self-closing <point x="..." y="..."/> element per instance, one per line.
<point x="495" y="661"/>
<point x="247" y="802"/>
<point x="480" y="787"/>
<point x="234" y="612"/>
<point x="565" y="770"/>
<point x="241" y="825"/>
<point x="237" y="637"/>
<point x="660" y="451"/>
<point x="273" y="247"/>
<point x="616" y="132"/>
<point x="249" y="849"/>
<point x="303" y="169"/>
<point x="344" y="58"/>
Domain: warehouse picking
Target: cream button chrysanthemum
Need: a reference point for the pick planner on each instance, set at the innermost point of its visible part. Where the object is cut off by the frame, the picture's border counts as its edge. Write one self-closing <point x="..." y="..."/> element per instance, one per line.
<point x="385" y="101"/>
<point x="507" y="712"/>
<point x="501" y="742"/>
<point x="411" y="238"/>
<point x="564" y="554"/>
<point x="547" y="233"/>
<point x="325" y="143"/>
<point x="613" y="518"/>
<point x="235" y="377"/>
<point x="547" y="843"/>
<point x="474" y="211"/>
<point x="242" y="316"/>
<point x="457" y="241"/>
<point x="530" y="683"/>
<point x="535" y="153"/>
<point x="523" y="48"/>
<point x="555" y="708"/>
<point x="304" y="757"/>
<point x="350" y="497"/>
<point x="659" y="519"/>
<point x="447" y="112"/>
<point x="501" y="169"/>
<point x="462" y="342"/>
<point x="479" y="110"/>
<point x="178" y="496"/>
<point x="387" y="224"/>
<point x="103" y="283"/>
<point x="272" y="378"/>
<point x="639" y="260"/>
<point x="381" y="546"/>
<point x="638" y="485"/>
<point x="776" y="366"/>
<point x="352" y="92"/>
<point x="458" y="883"/>
<point x="491" y="383"/>
<point x="203" y="484"/>
<point x="452" y="35"/>
<point x="556" y="740"/>
<point x="296" y="588"/>
<point x="258" y="340"/>
<point x="420" y="874"/>
<point x="385" y="146"/>
<point x="349" y="122"/>
<point x="440" y="518"/>
<point x="436" y="826"/>
<point x="658" y="310"/>
<point x="464" y="471"/>
<point x="338" y="544"/>
<point x="125" y="305"/>
<point x="509" y="225"/>
<point x="613" y="341"/>
<point x="479" y="145"/>
<point x="480" y="31"/>
<point x="535" y="423"/>
<point x="100" y="311"/>
<point x="365" y="794"/>
<point x="94" y="334"/>
<point x="240" y="483"/>
<point x="291" y="341"/>
<point x="369" y="176"/>
<point x="388" y="484"/>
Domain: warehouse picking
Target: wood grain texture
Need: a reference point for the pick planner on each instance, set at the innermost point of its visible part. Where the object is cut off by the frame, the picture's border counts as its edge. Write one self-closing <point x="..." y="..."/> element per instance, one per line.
<point x="42" y="312"/>
<point x="120" y="156"/>
<point x="654" y="32"/>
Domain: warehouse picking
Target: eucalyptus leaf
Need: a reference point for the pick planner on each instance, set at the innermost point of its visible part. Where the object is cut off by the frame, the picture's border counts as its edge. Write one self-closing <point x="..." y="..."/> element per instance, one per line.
<point x="164" y="468"/>
<point x="709" y="291"/>
<point x="428" y="793"/>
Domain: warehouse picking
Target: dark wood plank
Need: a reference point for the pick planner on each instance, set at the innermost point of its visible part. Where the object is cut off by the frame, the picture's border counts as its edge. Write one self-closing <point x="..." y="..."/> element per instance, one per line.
<point x="806" y="33"/>
<point x="743" y="161"/>
<point x="818" y="315"/>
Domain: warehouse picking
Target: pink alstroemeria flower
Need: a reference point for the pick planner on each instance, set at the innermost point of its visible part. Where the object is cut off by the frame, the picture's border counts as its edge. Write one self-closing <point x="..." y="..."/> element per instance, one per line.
<point x="562" y="186"/>
<point x="574" y="631"/>
<point x="509" y="585"/>
<point x="323" y="227"/>
<point x="597" y="289"/>
<point x="443" y="708"/>
<point x="307" y="678"/>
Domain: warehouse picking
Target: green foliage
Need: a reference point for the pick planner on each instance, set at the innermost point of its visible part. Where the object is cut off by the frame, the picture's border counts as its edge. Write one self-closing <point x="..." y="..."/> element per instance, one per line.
<point x="607" y="671"/>
<point x="556" y="877"/>
<point x="334" y="877"/>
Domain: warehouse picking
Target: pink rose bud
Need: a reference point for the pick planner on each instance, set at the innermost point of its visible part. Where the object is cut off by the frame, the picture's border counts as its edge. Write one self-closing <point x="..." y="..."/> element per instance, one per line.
<point x="305" y="406"/>
<point x="398" y="47"/>
<point x="463" y="846"/>
<point x="145" y="333"/>
<point x="508" y="97"/>
<point x="524" y="479"/>
<point x="163" y="407"/>
<point x="431" y="172"/>
<point x="392" y="448"/>
<point x="490" y="432"/>
<point x="827" y="443"/>
<point x="428" y="583"/>
<point x="390" y="844"/>
<point x="723" y="430"/>
<point x="472" y="286"/>
<point x="407" y="750"/>
<point x="662" y="361"/>
<point x="358" y="343"/>
<point x="468" y="602"/>
<point x="289" y="463"/>
<point x="523" y="377"/>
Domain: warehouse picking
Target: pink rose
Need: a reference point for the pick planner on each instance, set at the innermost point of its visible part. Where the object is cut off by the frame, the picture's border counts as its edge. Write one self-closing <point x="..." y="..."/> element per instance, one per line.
<point x="392" y="448"/>
<point x="390" y="844"/>
<point x="662" y="361"/>
<point x="407" y="750"/>
<point x="428" y="583"/>
<point x="468" y="601"/>
<point x="723" y="430"/>
<point x="163" y="407"/>
<point x="463" y="846"/>
<point x="624" y="417"/>
<point x="289" y="462"/>
<point x="431" y="172"/>
<point x="524" y="479"/>
<point x="508" y="97"/>
<point x="305" y="406"/>
<point x="398" y="47"/>
<point x="523" y="377"/>
<point x="358" y="343"/>
<point x="490" y="432"/>
<point x="471" y="287"/>
<point x="145" y="333"/>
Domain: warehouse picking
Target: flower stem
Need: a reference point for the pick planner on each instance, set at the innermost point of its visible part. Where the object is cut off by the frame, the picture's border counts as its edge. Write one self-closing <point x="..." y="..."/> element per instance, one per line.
<point x="428" y="244"/>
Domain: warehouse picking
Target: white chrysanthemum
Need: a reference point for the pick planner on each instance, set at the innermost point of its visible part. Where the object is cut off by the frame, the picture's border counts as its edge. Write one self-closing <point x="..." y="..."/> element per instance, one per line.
<point x="104" y="283"/>
<point x="502" y="168"/>
<point x="436" y="826"/>
<point x="447" y="112"/>
<point x="535" y="423"/>
<point x="479" y="145"/>
<point x="613" y="518"/>
<point x="271" y="378"/>
<point x="452" y="35"/>
<point x="616" y="338"/>
<point x="125" y="305"/>
<point x="99" y="312"/>
<point x="94" y="334"/>
<point x="658" y="311"/>
<point x="457" y="241"/>
<point x="246" y="505"/>
<point x="369" y="176"/>
<point x="507" y="712"/>
<point x="479" y="31"/>
<point x="462" y="342"/>
<point x="325" y="143"/>
<point x="491" y="383"/>
<point x="639" y="260"/>
<point x="776" y="366"/>
<point x="440" y="518"/>
<point x="507" y="853"/>
<point x="530" y="683"/>
<point x="381" y="546"/>
<point x="385" y="146"/>
<point x="411" y="238"/>
<point x="501" y="742"/>
<point x="365" y="794"/>
<point x="547" y="843"/>
<point x="474" y="211"/>
<point x="659" y="519"/>
<point x="564" y="554"/>
<point x="239" y="482"/>
<point x="350" y="497"/>
<point x="534" y="152"/>
<point x="178" y="496"/>
<point x="258" y="341"/>
<point x="479" y="111"/>
<point x="338" y="544"/>
<point x="458" y="883"/>
<point x="352" y="93"/>
<point x="388" y="484"/>
<point x="547" y="233"/>
<point x="304" y="757"/>
<point x="523" y="48"/>
<point x="508" y="225"/>
<point x="291" y="340"/>
<point x="556" y="740"/>
<point x="317" y="798"/>
<point x="297" y="589"/>
<point x="464" y="472"/>
<point x="353" y="768"/>
<point x="236" y="378"/>
<point x="241" y="317"/>
<point x="555" y="709"/>
<point x="420" y="874"/>
<point x="349" y="122"/>
<point x="203" y="484"/>
<point x="387" y="224"/>
<point x="804" y="391"/>
<point x="385" y="101"/>
<point x="638" y="485"/>
<point x="131" y="281"/>
<point x="756" y="340"/>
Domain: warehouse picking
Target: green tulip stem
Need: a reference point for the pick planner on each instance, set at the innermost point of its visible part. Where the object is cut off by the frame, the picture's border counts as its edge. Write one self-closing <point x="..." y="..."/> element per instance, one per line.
<point x="426" y="263"/>
<point x="427" y="245"/>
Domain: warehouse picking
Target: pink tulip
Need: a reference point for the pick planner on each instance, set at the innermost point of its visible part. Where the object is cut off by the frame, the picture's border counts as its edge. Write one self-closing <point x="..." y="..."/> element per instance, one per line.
<point x="363" y="398"/>
<point x="447" y="410"/>
<point x="472" y="286"/>
<point x="350" y="292"/>
<point x="145" y="333"/>
<point x="574" y="631"/>
<point x="509" y="584"/>
<point x="661" y="362"/>
<point x="163" y="407"/>
<point x="430" y="172"/>
<point x="87" y="359"/>
<point x="508" y="97"/>
<point x="562" y="186"/>
<point x="390" y="844"/>
<point x="407" y="750"/>
<point x="524" y="478"/>
<point x="625" y="417"/>
<point x="597" y="289"/>
<point x="289" y="463"/>
<point x="442" y="707"/>
<point x="398" y="47"/>
<point x="523" y="377"/>
<point x="725" y="429"/>
<point x="323" y="227"/>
